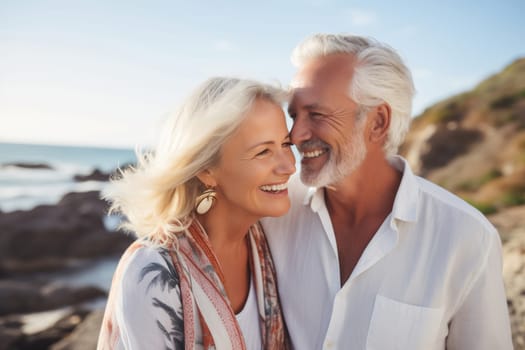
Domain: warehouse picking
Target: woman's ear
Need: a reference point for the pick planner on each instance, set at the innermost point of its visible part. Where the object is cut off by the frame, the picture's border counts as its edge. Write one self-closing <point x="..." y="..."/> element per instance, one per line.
<point x="380" y="123"/>
<point x="207" y="178"/>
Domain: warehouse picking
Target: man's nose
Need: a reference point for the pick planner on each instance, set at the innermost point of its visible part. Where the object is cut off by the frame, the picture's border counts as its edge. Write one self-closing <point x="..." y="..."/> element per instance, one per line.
<point x="301" y="131"/>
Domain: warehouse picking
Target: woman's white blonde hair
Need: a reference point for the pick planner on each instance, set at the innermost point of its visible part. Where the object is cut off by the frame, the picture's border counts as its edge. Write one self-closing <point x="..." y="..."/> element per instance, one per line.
<point x="157" y="196"/>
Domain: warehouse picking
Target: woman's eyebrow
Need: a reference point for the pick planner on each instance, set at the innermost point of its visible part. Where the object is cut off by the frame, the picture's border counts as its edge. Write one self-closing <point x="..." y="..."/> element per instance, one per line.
<point x="261" y="143"/>
<point x="286" y="137"/>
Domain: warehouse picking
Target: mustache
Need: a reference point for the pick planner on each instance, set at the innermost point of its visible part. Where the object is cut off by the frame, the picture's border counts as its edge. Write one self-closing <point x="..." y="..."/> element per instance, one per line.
<point x="312" y="144"/>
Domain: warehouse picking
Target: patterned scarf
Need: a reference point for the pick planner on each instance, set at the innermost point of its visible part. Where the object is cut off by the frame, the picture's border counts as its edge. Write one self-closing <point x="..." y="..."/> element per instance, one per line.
<point x="203" y="293"/>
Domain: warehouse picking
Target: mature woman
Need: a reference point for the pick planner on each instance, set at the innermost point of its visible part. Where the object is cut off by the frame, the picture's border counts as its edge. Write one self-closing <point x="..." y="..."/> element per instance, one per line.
<point x="200" y="274"/>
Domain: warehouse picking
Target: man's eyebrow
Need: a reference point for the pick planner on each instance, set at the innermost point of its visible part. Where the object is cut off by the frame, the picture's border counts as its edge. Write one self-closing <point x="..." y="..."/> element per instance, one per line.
<point x="310" y="107"/>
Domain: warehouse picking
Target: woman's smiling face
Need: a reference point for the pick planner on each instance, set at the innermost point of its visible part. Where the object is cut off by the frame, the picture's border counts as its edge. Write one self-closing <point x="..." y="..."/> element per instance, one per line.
<point x="255" y="164"/>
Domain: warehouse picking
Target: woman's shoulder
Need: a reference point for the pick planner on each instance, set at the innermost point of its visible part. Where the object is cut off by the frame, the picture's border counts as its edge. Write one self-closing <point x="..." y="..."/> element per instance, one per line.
<point x="144" y="262"/>
<point x="143" y="251"/>
<point x="145" y="300"/>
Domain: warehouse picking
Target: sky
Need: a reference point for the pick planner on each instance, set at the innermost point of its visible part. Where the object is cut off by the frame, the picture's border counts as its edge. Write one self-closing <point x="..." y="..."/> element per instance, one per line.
<point x="106" y="73"/>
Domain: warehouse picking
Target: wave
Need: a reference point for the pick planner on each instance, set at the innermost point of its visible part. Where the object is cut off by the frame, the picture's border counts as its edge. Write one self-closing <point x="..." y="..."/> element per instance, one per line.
<point x="24" y="188"/>
<point x="27" y="196"/>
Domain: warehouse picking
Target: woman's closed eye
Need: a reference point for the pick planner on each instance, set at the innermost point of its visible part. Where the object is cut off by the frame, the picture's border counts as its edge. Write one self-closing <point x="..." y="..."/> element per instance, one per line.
<point x="263" y="153"/>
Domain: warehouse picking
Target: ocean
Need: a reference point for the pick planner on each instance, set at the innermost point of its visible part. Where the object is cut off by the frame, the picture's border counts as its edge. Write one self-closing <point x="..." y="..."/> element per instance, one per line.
<point x="22" y="188"/>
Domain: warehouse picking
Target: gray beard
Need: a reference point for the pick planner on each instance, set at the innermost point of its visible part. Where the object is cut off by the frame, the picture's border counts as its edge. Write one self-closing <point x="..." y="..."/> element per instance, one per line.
<point x="352" y="155"/>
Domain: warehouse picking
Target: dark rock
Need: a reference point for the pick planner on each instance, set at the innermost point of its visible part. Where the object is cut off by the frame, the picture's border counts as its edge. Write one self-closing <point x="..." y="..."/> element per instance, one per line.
<point x="50" y="236"/>
<point x="445" y="145"/>
<point x="24" y="297"/>
<point x="96" y="175"/>
<point x="18" y="297"/>
<point x="12" y="267"/>
<point x="9" y="337"/>
<point x="11" y="322"/>
<point x="36" y="166"/>
<point x="85" y="336"/>
<point x="99" y="175"/>
<point x="100" y="244"/>
<point x="42" y="340"/>
<point x="46" y="338"/>
<point x="85" y="202"/>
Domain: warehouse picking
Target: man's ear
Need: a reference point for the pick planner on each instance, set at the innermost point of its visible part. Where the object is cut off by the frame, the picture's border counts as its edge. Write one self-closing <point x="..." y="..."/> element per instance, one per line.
<point x="207" y="178"/>
<point x="380" y="123"/>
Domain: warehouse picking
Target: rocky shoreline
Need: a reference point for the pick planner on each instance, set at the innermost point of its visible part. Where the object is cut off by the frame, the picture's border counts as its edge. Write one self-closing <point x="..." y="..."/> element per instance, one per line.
<point x="50" y="239"/>
<point x="72" y="234"/>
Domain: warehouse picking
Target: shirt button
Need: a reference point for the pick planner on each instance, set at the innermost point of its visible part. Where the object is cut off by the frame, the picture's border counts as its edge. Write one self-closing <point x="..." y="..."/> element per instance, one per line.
<point x="329" y="344"/>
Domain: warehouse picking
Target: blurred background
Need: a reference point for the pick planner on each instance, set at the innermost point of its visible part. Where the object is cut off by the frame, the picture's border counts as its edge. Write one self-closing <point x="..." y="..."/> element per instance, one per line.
<point x="84" y="83"/>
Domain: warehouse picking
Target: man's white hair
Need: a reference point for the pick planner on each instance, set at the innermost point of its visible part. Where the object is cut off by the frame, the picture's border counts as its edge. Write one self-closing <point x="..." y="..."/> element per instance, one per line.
<point x="379" y="76"/>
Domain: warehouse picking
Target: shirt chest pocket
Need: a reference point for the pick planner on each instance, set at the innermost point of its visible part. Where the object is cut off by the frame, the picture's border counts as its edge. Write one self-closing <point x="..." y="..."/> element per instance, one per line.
<point x="395" y="325"/>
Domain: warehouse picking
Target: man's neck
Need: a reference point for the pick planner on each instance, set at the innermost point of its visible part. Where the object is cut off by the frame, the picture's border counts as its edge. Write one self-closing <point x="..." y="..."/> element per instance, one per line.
<point x="368" y="191"/>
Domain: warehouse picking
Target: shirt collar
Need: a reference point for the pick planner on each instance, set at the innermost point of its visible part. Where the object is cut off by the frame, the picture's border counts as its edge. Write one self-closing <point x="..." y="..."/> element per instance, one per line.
<point x="405" y="203"/>
<point x="315" y="198"/>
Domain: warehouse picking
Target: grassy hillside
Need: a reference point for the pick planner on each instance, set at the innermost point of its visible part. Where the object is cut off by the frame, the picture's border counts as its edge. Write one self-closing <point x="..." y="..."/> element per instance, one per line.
<point x="474" y="143"/>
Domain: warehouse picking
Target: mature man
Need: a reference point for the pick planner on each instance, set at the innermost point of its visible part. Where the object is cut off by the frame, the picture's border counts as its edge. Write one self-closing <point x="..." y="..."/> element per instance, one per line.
<point x="372" y="256"/>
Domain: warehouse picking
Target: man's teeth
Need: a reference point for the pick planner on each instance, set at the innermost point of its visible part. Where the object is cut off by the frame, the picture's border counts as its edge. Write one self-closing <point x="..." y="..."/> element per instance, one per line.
<point x="313" y="154"/>
<point x="274" y="188"/>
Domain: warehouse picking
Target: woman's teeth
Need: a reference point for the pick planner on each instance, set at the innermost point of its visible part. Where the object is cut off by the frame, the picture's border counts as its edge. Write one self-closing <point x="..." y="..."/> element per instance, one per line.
<point x="274" y="188"/>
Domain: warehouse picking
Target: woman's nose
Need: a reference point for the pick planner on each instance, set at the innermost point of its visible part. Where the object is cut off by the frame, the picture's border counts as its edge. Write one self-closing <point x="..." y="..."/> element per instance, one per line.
<point x="286" y="164"/>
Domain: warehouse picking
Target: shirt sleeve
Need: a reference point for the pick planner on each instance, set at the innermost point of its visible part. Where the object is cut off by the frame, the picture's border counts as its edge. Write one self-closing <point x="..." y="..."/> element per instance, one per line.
<point x="148" y="308"/>
<point x="482" y="320"/>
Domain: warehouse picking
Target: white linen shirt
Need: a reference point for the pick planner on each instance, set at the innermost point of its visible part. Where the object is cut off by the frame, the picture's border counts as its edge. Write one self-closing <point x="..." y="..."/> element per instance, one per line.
<point x="430" y="278"/>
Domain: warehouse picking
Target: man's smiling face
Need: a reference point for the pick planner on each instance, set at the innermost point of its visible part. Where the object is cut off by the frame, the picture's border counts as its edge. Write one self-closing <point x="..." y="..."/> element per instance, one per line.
<point x="327" y="128"/>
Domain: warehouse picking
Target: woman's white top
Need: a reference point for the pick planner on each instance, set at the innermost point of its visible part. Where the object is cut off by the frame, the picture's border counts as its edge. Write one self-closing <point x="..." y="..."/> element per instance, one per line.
<point x="249" y="321"/>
